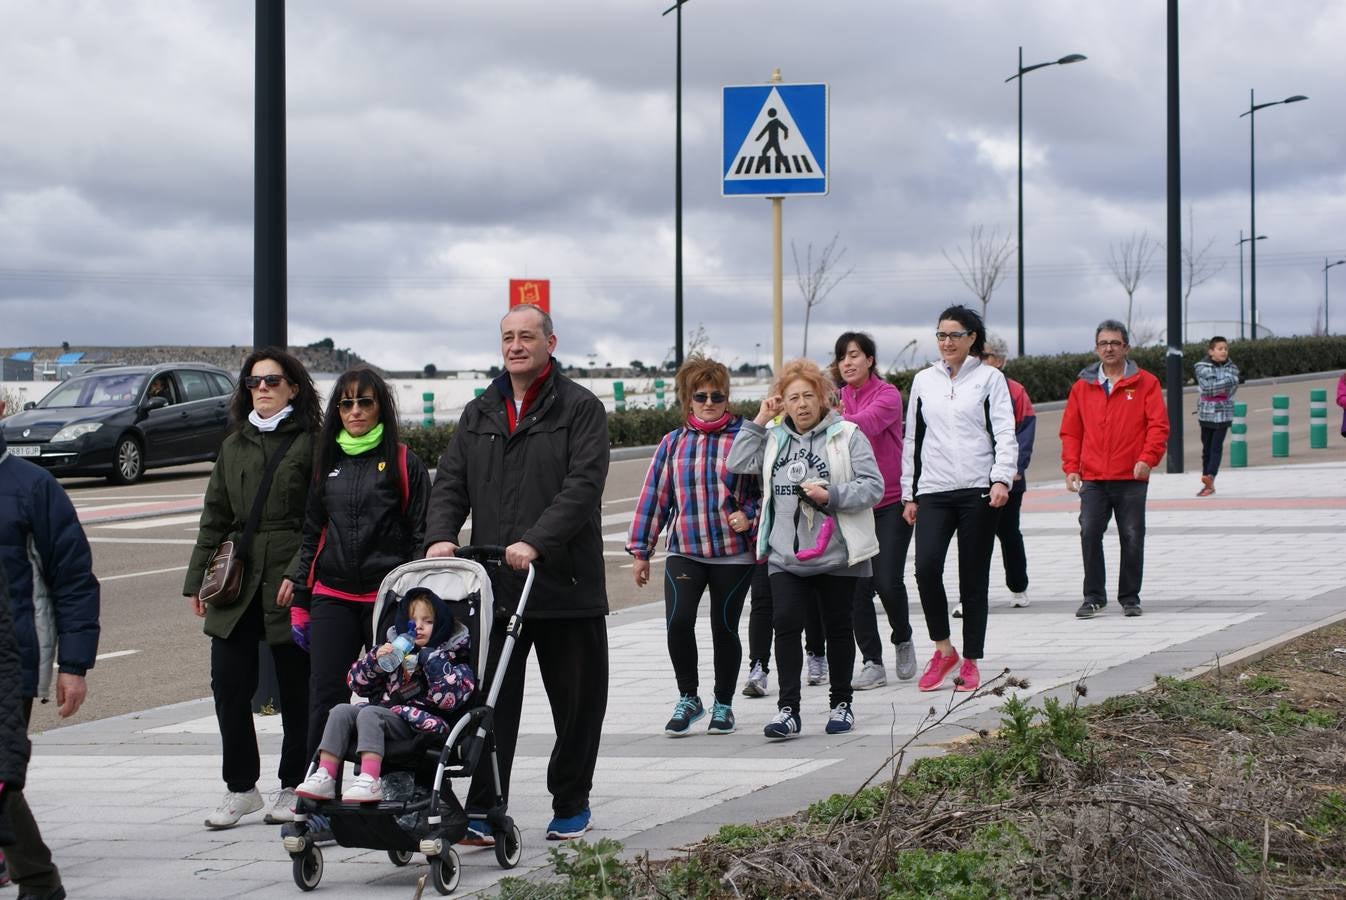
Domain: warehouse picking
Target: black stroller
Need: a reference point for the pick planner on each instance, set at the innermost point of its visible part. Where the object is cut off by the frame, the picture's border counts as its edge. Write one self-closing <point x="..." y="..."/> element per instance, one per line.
<point x="419" y="812"/>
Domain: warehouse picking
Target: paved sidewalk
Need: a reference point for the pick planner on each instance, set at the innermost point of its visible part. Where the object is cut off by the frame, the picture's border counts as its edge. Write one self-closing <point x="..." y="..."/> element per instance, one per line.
<point x="121" y="800"/>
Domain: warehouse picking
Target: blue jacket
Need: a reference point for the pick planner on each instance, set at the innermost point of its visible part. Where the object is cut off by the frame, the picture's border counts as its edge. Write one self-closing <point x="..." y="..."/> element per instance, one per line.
<point x="52" y="589"/>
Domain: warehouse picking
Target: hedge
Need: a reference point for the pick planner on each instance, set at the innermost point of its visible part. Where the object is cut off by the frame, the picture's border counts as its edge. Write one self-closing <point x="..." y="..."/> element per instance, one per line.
<point x="1046" y="378"/>
<point x="1049" y="378"/>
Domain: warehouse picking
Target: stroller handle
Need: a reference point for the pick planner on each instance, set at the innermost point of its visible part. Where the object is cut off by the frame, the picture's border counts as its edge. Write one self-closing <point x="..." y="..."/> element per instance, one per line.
<point x="481" y="552"/>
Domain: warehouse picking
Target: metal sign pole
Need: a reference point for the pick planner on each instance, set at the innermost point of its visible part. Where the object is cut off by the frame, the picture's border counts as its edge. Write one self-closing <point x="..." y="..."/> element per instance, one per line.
<point x="777" y="293"/>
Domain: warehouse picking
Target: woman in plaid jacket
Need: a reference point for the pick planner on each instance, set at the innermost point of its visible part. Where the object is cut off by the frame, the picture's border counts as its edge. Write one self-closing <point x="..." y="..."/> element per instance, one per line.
<point x="710" y="513"/>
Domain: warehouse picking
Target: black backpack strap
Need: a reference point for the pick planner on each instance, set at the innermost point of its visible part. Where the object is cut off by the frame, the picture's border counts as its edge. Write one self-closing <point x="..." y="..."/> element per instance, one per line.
<point x="255" y="517"/>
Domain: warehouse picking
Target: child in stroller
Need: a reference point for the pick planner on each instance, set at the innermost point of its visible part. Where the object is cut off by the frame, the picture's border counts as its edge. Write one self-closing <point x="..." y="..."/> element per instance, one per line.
<point x="433" y="678"/>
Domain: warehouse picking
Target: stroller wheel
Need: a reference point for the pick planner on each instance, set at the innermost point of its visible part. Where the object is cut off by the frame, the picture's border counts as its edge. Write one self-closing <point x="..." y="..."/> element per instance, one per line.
<point x="400" y="857"/>
<point x="445" y="872"/>
<point x="308" y="868"/>
<point x="509" y="847"/>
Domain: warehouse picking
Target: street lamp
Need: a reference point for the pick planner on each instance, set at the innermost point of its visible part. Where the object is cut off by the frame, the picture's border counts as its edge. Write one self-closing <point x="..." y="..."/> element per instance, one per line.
<point x="1024" y="70"/>
<point x="1243" y="240"/>
<point x="1326" y="265"/>
<point x="676" y="8"/>
<point x="1253" y="107"/>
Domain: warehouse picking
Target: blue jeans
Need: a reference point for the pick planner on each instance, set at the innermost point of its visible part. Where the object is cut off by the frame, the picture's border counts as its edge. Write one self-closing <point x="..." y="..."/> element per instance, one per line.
<point x="1212" y="446"/>
<point x="1099" y="502"/>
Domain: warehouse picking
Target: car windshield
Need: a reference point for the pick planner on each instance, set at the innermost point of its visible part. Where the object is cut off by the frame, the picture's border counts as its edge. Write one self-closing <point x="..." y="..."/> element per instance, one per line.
<point x="111" y="389"/>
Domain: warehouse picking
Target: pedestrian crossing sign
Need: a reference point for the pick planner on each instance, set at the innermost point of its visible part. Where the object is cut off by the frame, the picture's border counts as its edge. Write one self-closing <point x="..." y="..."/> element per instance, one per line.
<point x="775" y="140"/>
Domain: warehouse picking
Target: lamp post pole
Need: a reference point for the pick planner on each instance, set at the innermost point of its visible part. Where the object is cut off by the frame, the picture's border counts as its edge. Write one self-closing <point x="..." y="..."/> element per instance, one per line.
<point x="1253" y="107"/>
<point x="1327" y="328"/>
<point x="1023" y="70"/>
<point x="676" y="8"/>
<point x="1243" y="240"/>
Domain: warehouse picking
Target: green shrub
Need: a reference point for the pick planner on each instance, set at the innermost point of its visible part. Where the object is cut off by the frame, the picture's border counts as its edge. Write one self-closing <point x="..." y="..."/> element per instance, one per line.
<point x="427" y="443"/>
<point x="861" y="807"/>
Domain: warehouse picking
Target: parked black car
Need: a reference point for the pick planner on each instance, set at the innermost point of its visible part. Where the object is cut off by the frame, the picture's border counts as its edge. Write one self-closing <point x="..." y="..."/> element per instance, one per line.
<point x="122" y="420"/>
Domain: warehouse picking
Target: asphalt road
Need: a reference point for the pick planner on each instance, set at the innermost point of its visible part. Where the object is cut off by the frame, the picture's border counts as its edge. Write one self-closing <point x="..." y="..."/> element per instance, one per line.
<point x="152" y="650"/>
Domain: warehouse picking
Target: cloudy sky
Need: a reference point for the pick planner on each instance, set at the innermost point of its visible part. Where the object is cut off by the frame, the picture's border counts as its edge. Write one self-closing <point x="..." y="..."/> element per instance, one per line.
<point x="437" y="149"/>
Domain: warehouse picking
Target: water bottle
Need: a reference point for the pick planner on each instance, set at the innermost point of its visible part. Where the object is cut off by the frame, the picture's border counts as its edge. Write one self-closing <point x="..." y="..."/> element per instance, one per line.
<point x="403" y="644"/>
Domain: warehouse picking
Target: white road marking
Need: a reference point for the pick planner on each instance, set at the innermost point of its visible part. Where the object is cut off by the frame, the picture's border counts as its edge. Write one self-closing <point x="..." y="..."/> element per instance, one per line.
<point x="106" y="578"/>
<point x="147" y="540"/>
<point x="194" y="518"/>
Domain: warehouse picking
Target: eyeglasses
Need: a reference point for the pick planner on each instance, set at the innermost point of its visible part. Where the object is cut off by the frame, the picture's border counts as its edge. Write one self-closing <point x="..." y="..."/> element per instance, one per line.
<point x="255" y="381"/>
<point x="951" y="335"/>
<point x="1110" y="345"/>
<point x="349" y="403"/>
<point x="713" y="397"/>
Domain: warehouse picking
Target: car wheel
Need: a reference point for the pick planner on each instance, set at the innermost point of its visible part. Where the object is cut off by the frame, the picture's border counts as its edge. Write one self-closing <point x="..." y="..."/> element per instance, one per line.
<point x="128" y="463"/>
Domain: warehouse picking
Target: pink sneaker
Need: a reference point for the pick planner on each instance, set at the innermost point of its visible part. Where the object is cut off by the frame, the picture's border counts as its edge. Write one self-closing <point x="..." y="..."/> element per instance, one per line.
<point x="937" y="670"/>
<point x="970" y="676"/>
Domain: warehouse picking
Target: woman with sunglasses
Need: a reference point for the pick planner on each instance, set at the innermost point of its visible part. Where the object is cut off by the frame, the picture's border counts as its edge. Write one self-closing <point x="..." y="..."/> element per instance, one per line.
<point x="366" y="516"/>
<point x="274" y="407"/>
<point x="959" y="458"/>
<point x="710" y="513"/>
<point x="817" y="529"/>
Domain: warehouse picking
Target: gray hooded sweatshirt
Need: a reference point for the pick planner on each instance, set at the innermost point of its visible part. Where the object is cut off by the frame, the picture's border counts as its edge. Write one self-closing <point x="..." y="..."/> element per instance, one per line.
<point x="794" y="525"/>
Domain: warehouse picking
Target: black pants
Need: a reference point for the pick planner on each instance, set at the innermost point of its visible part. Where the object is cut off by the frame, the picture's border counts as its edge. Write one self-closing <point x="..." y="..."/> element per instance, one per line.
<point x="572" y="657"/>
<point x="28" y="857"/>
<point x="1012" y="542"/>
<point x="1099" y="502"/>
<point x="1212" y="446"/>
<point x="968" y="514"/>
<point x="338" y="631"/>
<point x="792" y="596"/>
<point x="894" y="536"/>
<point x="759" y="619"/>
<point x="233" y="680"/>
<point x="685" y="580"/>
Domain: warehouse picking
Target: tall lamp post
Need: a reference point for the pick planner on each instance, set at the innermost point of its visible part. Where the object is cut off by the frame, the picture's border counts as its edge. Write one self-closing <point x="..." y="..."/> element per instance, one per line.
<point x="676" y="9"/>
<point x="1327" y="328"/>
<point x="1024" y="70"/>
<point x="1243" y="240"/>
<point x="1253" y="107"/>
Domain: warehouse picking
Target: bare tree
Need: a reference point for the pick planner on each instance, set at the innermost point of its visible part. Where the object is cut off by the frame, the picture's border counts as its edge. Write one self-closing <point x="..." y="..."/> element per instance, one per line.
<point x="1196" y="267"/>
<point x="818" y="279"/>
<point x="982" y="265"/>
<point x="1130" y="262"/>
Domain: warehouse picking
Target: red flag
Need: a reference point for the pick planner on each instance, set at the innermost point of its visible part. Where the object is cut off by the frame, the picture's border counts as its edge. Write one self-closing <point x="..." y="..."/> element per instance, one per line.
<point x="536" y="291"/>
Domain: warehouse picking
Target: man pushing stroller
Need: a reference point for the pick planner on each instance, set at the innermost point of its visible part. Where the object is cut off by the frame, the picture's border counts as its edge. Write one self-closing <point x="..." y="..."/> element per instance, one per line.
<point x="412" y="681"/>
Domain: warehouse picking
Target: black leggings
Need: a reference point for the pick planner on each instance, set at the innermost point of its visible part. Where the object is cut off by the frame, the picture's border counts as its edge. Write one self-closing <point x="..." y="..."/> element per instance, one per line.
<point x="1012" y="542"/>
<point x="1212" y="446"/>
<point x="338" y="630"/>
<point x="760" y="628"/>
<point x="940" y="516"/>
<point x="685" y="580"/>
<point x="894" y="536"/>
<point x="832" y="596"/>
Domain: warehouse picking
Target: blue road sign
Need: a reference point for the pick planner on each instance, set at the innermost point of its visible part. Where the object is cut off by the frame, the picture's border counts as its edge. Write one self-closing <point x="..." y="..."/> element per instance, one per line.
<point x="775" y="140"/>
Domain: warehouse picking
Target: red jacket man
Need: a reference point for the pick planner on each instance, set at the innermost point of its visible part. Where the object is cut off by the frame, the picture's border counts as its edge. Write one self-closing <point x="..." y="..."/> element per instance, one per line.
<point x="1113" y="432"/>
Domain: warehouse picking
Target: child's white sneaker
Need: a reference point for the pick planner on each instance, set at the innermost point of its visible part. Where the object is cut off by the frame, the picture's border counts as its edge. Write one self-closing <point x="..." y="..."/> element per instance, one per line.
<point x="318" y="786"/>
<point x="363" y="789"/>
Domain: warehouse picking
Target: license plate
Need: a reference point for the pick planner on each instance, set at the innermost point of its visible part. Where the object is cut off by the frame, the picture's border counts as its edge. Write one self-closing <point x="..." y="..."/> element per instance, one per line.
<point x="25" y="450"/>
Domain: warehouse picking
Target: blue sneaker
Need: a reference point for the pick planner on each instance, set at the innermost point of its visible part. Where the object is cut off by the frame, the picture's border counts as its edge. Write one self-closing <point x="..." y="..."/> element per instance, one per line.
<point x="842" y="719"/>
<point x="478" y="835"/>
<point x="319" y="826"/>
<point x="785" y="726"/>
<point x="721" y="719"/>
<point x="570" y="827"/>
<point x="687" y="711"/>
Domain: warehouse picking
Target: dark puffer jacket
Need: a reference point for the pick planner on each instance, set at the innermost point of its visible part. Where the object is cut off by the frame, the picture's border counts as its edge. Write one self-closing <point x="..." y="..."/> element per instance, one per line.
<point x="54" y="595"/>
<point x="14" y="747"/>
<point x="541" y="484"/>
<point x="355" y="529"/>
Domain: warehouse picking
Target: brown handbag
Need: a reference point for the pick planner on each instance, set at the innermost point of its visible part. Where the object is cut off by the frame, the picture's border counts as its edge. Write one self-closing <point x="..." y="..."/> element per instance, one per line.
<point x="223" y="581"/>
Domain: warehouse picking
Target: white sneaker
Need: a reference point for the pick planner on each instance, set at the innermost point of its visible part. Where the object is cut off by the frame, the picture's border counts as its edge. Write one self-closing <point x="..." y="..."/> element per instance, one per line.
<point x="871" y="676"/>
<point x="363" y="789"/>
<point x="233" y="807"/>
<point x="958" y="611"/>
<point x="756" y="685"/>
<point x="1019" y="599"/>
<point x="318" y="786"/>
<point x="282" y="808"/>
<point x="817" y="669"/>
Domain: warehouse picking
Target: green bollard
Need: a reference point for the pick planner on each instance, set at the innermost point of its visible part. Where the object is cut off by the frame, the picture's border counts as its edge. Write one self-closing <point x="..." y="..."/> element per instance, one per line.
<point x="428" y="409"/>
<point x="619" y="396"/>
<point x="1318" y="419"/>
<point x="1280" y="425"/>
<point x="1238" y="441"/>
<point x="659" y="393"/>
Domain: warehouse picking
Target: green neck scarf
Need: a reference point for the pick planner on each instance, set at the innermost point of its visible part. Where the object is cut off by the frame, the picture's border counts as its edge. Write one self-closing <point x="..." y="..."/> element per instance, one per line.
<point x="354" y="446"/>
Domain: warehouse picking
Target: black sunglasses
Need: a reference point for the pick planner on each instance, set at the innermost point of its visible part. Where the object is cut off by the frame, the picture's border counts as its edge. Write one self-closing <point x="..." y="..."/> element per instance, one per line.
<point x="349" y="403"/>
<point x="254" y="381"/>
<point x="714" y="397"/>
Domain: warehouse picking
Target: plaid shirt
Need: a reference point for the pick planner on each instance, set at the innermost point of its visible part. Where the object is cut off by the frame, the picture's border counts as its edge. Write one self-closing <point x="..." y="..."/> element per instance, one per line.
<point x="689" y="484"/>
<point x="1216" y="385"/>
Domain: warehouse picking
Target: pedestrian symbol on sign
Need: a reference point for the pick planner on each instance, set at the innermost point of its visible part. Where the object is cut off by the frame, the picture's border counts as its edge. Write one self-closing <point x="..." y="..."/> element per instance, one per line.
<point x="775" y="140"/>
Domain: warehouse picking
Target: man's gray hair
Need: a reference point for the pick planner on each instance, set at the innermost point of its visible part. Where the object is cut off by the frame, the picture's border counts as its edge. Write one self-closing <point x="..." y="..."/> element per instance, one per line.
<point x="542" y="313"/>
<point x="996" y="346"/>
<point x="1112" y="325"/>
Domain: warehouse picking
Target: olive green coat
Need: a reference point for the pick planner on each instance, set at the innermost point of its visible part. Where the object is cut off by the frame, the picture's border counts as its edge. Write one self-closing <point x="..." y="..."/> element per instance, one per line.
<point x="229" y="497"/>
